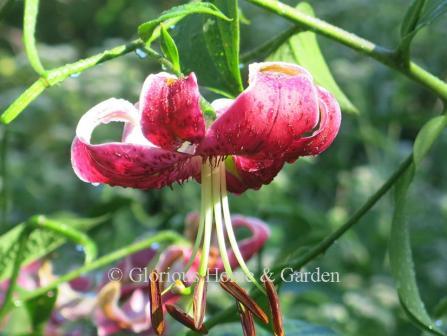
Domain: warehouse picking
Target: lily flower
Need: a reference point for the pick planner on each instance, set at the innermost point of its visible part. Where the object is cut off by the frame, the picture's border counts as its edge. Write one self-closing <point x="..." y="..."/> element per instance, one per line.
<point x="281" y="116"/>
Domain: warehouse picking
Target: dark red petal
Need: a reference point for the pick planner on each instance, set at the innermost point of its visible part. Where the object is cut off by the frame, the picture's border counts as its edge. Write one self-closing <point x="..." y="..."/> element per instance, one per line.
<point x="170" y="110"/>
<point x="133" y="163"/>
<point x="251" y="245"/>
<point x="246" y="173"/>
<point x="129" y="165"/>
<point x="278" y="107"/>
<point x="321" y="139"/>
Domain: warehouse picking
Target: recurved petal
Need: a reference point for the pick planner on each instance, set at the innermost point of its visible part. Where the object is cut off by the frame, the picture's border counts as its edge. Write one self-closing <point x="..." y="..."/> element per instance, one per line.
<point x="170" y="110"/>
<point x="138" y="164"/>
<point x="245" y="173"/>
<point x="322" y="138"/>
<point x="278" y="107"/>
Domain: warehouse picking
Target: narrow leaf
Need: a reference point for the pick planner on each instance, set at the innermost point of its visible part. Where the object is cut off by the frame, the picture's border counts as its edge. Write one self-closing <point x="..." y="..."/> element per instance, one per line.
<point x="401" y="259"/>
<point x="427" y="136"/>
<point x="170" y="49"/>
<point x="303" y="49"/>
<point x="146" y="29"/>
<point x="411" y="18"/>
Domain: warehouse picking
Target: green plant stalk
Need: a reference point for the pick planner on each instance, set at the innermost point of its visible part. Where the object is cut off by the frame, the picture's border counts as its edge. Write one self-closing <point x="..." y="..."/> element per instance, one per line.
<point x="165" y="236"/>
<point x="386" y="56"/>
<point x="270" y="46"/>
<point x="29" y="29"/>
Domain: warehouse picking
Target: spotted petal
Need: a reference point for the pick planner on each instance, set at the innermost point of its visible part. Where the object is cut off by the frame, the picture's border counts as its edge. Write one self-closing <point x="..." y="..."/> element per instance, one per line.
<point x="135" y="162"/>
<point x="323" y="137"/>
<point x="170" y="110"/>
<point x="279" y="106"/>
<point x="246" y="173"/>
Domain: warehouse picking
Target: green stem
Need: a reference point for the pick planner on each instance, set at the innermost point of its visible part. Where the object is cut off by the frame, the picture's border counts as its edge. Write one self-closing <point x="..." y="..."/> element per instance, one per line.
<point x="29" y="30"/>
<point x="76" y="236"/>
<point x="264" y="50"/>
<point x="386" y="56"/>
<point x="166" y="236"/>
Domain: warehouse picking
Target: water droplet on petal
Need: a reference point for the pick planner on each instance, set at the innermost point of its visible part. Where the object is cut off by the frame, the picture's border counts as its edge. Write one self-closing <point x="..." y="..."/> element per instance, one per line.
<point x="79" y="248"/>
<point x="141" y="53"/>
<point x="95" y="184"/>
<point x="75" y="75"/>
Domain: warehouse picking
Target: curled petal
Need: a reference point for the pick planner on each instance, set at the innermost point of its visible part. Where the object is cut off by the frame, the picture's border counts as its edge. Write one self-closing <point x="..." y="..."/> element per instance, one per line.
<point x="245" y="173"/>
<point x="251" y="245"/>
<point x="170" y="110"/>
<point x="322" y="138"/>
<point x="136" y="165"/>
<point x="278" y="107"/>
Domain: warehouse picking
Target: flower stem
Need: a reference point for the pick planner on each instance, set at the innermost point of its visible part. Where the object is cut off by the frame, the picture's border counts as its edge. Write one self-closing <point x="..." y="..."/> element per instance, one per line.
<point x="217" y="189"/>
<point x="230" y="231"/>
<point x="203" y="268"/>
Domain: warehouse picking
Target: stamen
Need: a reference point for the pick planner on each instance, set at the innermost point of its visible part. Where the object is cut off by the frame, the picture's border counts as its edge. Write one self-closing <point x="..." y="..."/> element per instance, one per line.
<point x="184" y="318"/>
<point x="242" y="296"/>
<point x="207" y="194"/>
<point x="230" y="231"/>
<point x="157" y="318"/>
<point x="275" y="308"/>
<point x="199" y="302"/>
<point x="218" y="218"/>
<point x="204" y="187"/>
<point x="248" y="324"/>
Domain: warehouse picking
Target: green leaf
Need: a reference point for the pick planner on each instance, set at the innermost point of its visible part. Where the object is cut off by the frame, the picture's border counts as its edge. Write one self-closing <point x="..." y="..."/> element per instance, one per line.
<point x="427" y="136"/>
<point x="401" y="259"/>
<point x="39" y="243"/>
<point x="303" y="49"/>
<point x="420" y="14"/>
<point x="146" y="29"/>
<point x="39" y="310"/>
<point x="170" y="49"/>
<point x="210" y="48"/>
<point x="412" y="17"/>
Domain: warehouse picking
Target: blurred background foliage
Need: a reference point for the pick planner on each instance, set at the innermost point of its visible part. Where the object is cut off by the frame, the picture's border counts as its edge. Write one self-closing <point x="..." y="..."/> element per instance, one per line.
<point x="308" y="199"/>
